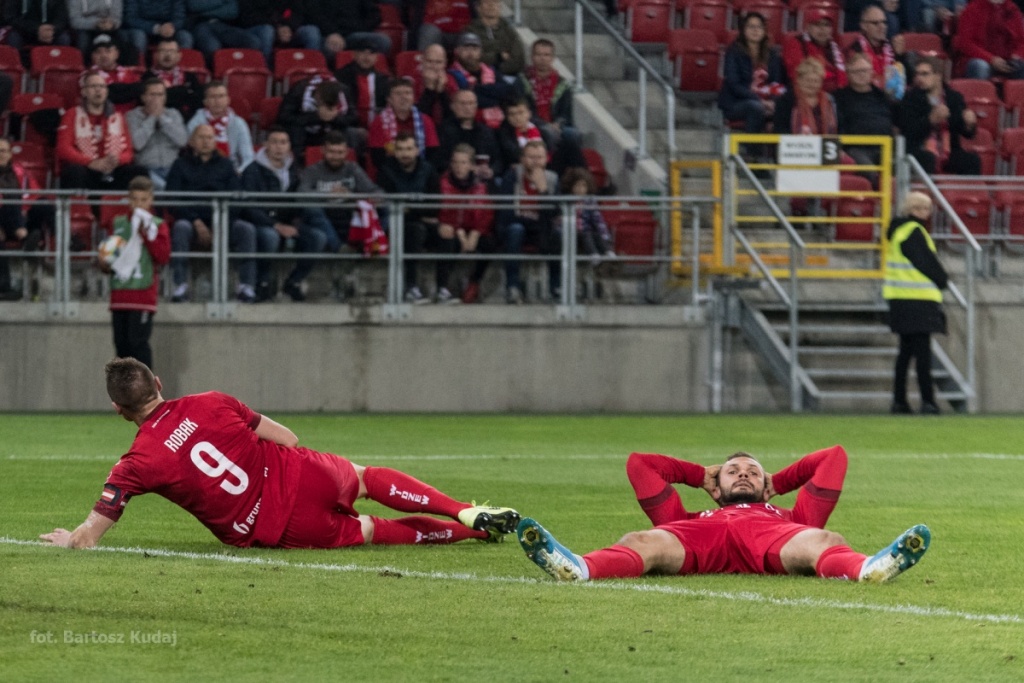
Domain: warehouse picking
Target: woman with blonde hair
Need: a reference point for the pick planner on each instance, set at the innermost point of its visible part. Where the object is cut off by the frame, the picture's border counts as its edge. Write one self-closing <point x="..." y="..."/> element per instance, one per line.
<point x="807" y="109"/>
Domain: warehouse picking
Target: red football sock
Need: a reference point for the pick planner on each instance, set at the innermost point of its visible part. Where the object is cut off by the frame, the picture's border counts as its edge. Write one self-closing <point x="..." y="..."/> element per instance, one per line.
<point x="840" y="562"/>
<point x="617" y="562"/>
<point x="659" y="500"/>
<point x="413" y="530"/>
<point x="401" y="492"/>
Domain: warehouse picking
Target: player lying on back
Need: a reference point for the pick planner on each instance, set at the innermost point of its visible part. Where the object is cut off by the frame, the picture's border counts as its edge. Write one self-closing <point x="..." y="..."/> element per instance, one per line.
<point x="745" y="535"/>
<point x="245" y="477"/>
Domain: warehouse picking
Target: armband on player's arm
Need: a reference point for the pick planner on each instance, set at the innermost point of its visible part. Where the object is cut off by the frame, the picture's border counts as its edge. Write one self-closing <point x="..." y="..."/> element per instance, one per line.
<point x="276" y="432"/>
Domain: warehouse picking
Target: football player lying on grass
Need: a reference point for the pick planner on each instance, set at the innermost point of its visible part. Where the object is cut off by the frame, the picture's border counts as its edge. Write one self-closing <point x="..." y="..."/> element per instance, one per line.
<point x="248" y="481"/>
<point x="745" y="535"/>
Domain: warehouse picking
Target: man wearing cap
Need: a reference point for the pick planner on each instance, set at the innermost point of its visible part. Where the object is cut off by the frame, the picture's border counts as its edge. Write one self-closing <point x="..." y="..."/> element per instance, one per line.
<point x="368" y="86"/>
<point x="817" y="42"/>
<point x="468" y="72"/>
<point x="123" y="84"/>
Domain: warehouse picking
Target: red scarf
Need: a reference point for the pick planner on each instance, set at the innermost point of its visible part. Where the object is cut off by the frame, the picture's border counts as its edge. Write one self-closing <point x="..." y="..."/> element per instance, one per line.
<point x="464" y="80"/>
<point x="97" y="135"/>
<point x="531" y="132"/>
<point x="170" y="77"/>
<point x="817" y="120"/>
<point x="220" y="130"/>
<point x="881" y="59"/>
<point x="543" y="91"/>
<point x="366" y="97"/>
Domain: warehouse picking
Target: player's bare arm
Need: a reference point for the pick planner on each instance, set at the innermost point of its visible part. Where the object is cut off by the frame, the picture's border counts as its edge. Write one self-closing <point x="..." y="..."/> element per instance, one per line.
<point x="276" y="432"/>
<point x="86" y="535"/>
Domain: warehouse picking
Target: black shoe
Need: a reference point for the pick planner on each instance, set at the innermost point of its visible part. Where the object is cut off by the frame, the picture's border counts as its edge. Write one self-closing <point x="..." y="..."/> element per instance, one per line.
<point x="900" y="408"/>
<point x="264" y="292"/>
<point x="930" y="409"/>
<point x="294" y="290"/>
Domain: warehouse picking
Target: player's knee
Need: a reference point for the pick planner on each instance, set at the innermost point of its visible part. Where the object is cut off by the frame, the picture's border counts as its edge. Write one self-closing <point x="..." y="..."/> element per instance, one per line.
<point x="830" y="539"/>
<point x="635" y="540"/>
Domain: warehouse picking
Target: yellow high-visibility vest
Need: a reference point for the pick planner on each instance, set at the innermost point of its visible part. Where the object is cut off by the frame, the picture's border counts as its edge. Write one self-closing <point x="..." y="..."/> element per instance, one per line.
<point x="902" y="279"/>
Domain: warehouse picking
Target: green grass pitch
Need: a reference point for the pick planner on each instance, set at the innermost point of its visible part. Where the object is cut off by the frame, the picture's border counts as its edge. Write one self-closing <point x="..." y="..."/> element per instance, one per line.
<point x="478" y="612"/>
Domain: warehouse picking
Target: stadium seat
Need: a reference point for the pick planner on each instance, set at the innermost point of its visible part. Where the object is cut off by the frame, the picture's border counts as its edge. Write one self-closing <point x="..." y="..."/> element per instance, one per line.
<point x="268" y="111"/>
<point x="1009" y="205"/>
<point x="33" y="158"/>
<point x="1011" y="150"/>
<point x="800" y="8"/>
<point x="846" y="39"/>
<point x="985" y="147"/>
<point x="110" y="206"/>
<point x="634" y="230"/>
<point x="83" y="224"/>
<point x="855" y="207"/>
<point x="192" y="61"/>
<point x="982" y="99"/>
<point x="696" y="59"/>
<point x="595" y="164"/>
<point x="27" y="103"/>
<point x="237" y="58"/>
<point x="773" y="11"/>
<point x="10" y="64"/>
<point x="1013" y="101"/>
<point x="710" y="15"/>
<point x="57" y="69"/>
<point x="345" y="56"/>
<point x="649" y="21"/>
<point x="315" y="153"/>
<point x="974" y="208"/>
<point x="296" y="64"/>
<point x="407" y="63"/>
<point x="396" y="33"/>
<point x="925" y="44"/>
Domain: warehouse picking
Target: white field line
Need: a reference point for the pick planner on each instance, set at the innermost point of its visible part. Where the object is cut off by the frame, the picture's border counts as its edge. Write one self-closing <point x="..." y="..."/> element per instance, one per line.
<point x="371" y="459"/>
<point x="741" y="596"/>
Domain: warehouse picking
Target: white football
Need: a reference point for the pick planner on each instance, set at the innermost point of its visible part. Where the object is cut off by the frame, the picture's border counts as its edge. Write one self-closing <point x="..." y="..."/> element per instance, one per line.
<point x="110" y="248"/>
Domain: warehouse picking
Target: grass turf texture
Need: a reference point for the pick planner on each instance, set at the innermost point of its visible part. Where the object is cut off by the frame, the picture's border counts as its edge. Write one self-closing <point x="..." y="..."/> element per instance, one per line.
<point x="483" y="612"/>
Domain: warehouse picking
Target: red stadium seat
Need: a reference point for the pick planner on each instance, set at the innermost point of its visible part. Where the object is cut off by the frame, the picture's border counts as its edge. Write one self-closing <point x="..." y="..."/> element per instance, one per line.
<point x="634" y="231"/>
<point x="292" y="64"/>
<point x="1013" y="102"/>
<point x="773" y="11"/>
<point x="710" y="15"/>
<point x="696" y="60"/>
<point x="649" y="21"/>
<point x="925" y="44"/>
<point x="846" y="38"/>
<point x="974" y="208"/>
<point x="1011" y="150"/>
<point x="595" y="164"/>
<point x="407" y="63"/>
<point x="985" y="147"/>
<point x="268" y="111"/>
<point x="389" y="14"/>
<point x="26" y="103"/>
<point x="33" y="158"/>
<point x="192" y="61"/>
<point x="345" y="56"/>
<point x="1010" y="205"/>
<point x="10" y="64"/>
<point x="237" y="58"/>
<point x="396" y="33"/>
<point x="111" y="206"/>
<point x="982" y="99"/>
<point x="247" y="87"/>
<point x="855" y="207"/>
<point x="57" y="69"/>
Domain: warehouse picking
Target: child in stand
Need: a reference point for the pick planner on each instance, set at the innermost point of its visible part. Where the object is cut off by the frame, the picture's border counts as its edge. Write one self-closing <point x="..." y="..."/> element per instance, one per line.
<point x="134" y="273"/>
<point x="592" y="234"/>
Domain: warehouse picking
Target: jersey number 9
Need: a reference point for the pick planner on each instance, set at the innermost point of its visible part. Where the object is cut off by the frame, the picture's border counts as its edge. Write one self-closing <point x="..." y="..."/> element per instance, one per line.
<point x="205" y="450"/>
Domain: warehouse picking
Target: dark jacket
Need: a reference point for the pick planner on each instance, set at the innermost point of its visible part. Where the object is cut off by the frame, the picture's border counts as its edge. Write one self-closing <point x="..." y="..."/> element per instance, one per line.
<point x="561" y="100"/>
<point x="143" y="15"/>
<point x="341" y="17"/>
<point x="28" y="23"/>
<point x="480" y="137"/>
<point x="423" y="179"/>
<point x="912" y="316"/>
<point x="191" y="174"/>
<point x="914" y="124"/>
<point x="257" y="178"/>
<point x="868" y="113"/>
<point x="783" y="121"/>
<point x="739" y="73"/>
<point x="199" y="11"/>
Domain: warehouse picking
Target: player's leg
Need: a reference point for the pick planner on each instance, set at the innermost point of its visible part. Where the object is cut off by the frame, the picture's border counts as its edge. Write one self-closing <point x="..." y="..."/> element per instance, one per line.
<point x="826" y="554"/>
<point x="636" y="554"/>
<point x="402" y="492"/>
<point x="419" y="529"/>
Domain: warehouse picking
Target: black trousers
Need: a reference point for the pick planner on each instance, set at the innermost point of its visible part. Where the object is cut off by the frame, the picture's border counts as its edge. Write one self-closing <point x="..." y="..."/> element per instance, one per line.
<point x="132" y="330"/>
<point x="919" y="347"/>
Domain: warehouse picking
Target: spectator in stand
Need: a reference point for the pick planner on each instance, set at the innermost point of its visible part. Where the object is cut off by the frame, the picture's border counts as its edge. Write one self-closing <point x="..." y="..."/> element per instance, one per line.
<point x="202" y="168"/>
<point x="887" y="58"/>
<point x="149" y="21"/>
<point x="502" y="48"/>
<point x="123" y="84"/>
<point x="909" y="14"/>
<point x="402" y="116"/>
<point x="184" y="91"/>
<point x="212" y="24"/>
<point x="335" y="175"/>
<point x="94" y="145"/>
<point x="231" y="131"/>
<point x="315" y="106"/>
<point x="593" y="237"/>
<point x="443" y="22"/>
<point x="938" y="16"/>
<point x="806" y="109"/>
<point x="933" y="118"/>
<point x="527" y="221"/>
<point x="294" y="31"/>
<point x="431" y="83"/>
<point x="344" y="24"/>
<point x="472" y="222"/>
<point x="14" y="231"/>
<point x="550" y="98"/>
<point x="753" y="76"/>
<point x="368" y="86"/>
<point x="135" y="273"/>
<point x="817" y="42"/>
<point x="266" y="20"/>
<point x="406" y="172"/>
<point x="36" y="22"/>
<point x="6" y="90"/>
<point x="89" y="18"/>
<point x="519" y="127"/>
<point x="468" y="72"/>
<point x="990" y="40"/>
<point x="462" y="128"/>
<point x="158" y="132"/>
<point x="278" y="227"/>
<point x="863" y="109"/>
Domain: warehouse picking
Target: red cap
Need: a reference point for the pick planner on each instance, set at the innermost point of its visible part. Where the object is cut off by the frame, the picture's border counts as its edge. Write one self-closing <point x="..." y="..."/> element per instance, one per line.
<point x="813" y="16"/>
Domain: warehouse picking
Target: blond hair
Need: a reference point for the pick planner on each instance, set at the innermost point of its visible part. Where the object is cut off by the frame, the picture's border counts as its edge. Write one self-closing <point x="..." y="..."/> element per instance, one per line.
<point x="915" y="201"/>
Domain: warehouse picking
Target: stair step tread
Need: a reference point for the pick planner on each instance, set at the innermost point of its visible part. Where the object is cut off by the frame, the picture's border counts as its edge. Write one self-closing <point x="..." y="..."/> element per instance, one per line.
<point x="838" y="328"/>
<point x="848" y="350"/>
<point x="860" y="373"/>
<point x="852" y="394"/>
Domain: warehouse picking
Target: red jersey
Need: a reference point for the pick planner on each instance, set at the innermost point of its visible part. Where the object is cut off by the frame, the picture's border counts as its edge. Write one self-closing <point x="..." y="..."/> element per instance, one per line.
<point x="201" y="452"/>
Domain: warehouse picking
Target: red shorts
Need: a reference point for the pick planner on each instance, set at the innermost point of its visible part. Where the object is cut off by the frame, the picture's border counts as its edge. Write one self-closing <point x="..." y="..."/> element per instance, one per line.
<point x="734" y="541"/>
<point x="323" y="516"/>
